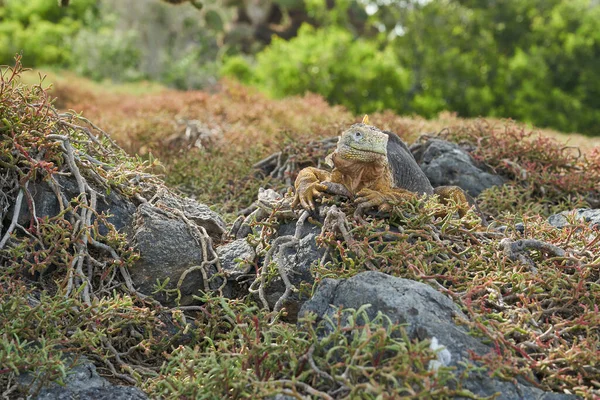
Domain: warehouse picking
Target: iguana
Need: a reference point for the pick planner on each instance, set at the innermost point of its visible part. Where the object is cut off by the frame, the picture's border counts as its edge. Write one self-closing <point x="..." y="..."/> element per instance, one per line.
<point x="373" y="167"/>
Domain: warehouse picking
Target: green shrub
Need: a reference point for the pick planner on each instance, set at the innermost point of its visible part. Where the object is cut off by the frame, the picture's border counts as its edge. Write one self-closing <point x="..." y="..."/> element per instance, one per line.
<point x="535" y="60"/>
<point x="190" y="71"/>
<point x="331" y="62"/>
<point x="25" y="11"/>
<point x="39" y="29"/>
<point x="107" y="53"/>
<point x="241" y="356"/>
<point x="238" y="67"/>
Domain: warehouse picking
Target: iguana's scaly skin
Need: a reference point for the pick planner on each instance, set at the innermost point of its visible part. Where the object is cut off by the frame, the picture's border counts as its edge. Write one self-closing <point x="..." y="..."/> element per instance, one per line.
<point x="376" y="169"/>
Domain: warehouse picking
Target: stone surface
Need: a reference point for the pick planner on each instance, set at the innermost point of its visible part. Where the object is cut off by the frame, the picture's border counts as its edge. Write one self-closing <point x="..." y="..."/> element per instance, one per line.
<point x="199" y="213"/>
<point x="282" y="397"/>
<point x="83" y="383"/>
<point x="295" y="262"/>
<point x="237" y="261"/>
<point x="445" y="163"/>
<point x="427" y="314"/>
<point x="120" y="209"/>
<point x="591" y="216"/>
<point x="168" y="249"/>
<point x="237" y="258"/>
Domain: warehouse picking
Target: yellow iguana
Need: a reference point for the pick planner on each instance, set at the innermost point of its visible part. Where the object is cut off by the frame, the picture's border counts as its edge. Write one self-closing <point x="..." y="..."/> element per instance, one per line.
<point x="373" y="167"/>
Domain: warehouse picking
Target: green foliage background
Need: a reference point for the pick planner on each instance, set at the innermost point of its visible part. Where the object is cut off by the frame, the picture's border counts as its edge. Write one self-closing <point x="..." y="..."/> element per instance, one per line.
<point x="532" y="60"/>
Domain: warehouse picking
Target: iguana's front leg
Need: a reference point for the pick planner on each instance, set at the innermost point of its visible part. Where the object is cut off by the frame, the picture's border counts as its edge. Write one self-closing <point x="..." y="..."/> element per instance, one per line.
<point x="384" y="198"/>
<point x="308" y="187"/>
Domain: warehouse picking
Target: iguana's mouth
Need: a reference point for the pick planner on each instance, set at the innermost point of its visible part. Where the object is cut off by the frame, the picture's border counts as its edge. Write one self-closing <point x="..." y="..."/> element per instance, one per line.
<point x="371" y="150"/>
<point x="357" y="154"/>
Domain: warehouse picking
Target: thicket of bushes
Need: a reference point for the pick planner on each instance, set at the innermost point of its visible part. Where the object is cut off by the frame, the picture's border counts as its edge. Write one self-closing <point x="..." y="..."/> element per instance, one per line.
<point x="533" y="60"/>
<point x="111" y="39"/>
<point x="331" y="62"/>
<point x="39" y="30"/>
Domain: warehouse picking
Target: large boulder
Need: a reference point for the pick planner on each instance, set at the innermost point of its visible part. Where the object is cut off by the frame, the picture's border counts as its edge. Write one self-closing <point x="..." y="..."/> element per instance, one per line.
<point x="446" y="163"/>
<point x="426" y="314"/>
<point x="172" y="241"/>
<point x="196" y="212"/>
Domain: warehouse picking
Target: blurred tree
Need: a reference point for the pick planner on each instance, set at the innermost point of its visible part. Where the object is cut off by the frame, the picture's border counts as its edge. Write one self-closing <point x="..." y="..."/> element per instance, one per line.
<point x="157" y="42"/>
<point x="38" y="28"/>
<point x="451" y="53"/>
<point x="532" y="60"/>
<point x="329" y="61"/>
<point x="249" y="25"/>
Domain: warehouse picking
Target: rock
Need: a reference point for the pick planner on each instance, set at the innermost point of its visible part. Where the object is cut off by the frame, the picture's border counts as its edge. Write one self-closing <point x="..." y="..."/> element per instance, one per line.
<point x="110" y="393"/>
<point x="168" y="249"/>
<point x="295" y="262"/>
<point x="445" y="163"/>
<point x="47" y="205"/>
<point x="236" y="258"/>
<point x="82" y="382"/>
<point x="199" y="213"/>
<point x="591" y="216"/>
<point x="427" y="314"/>
<point x="237" y="261"/>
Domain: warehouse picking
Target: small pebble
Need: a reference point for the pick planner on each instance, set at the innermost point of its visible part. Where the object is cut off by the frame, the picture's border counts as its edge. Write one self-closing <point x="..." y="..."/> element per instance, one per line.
<point x="519" y="227"/>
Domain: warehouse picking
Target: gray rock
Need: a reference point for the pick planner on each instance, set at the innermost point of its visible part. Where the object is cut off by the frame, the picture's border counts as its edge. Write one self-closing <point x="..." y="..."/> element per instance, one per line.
<point x="426" y="313"/>
<point x="199" y="213"/>
<point x="295" y="262"/>
<point x="237" y="261"/>
<point x="120" y="209"/>
<point x="445" y="163"/>
<point x="82" y="382"/>
<point x="168" y="249"/>
<point x="592" y="216"/>
<point x="111" y="393"/>
<point x="236" y="258"/>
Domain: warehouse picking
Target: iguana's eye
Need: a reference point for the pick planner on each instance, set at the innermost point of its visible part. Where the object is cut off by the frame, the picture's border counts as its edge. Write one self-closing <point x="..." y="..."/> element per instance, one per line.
<point x="357" y="135"/>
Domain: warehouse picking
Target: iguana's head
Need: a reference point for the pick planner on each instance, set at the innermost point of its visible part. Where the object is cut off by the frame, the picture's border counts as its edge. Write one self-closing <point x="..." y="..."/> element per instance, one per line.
<point x="363" y="143"/>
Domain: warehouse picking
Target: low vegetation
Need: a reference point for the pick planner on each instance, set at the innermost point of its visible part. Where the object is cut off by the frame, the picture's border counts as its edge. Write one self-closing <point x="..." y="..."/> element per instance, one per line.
<point x="542" y="320"/>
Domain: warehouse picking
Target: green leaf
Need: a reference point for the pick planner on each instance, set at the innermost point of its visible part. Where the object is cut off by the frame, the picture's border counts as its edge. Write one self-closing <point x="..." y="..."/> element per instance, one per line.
<point x="213" y="20"/>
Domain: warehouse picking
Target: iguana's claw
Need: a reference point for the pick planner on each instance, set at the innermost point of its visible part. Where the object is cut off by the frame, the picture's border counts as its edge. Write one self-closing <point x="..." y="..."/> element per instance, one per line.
<point x="338" y="189"/>
<point x="306" y="193"/>
<point x="368" y="198"/>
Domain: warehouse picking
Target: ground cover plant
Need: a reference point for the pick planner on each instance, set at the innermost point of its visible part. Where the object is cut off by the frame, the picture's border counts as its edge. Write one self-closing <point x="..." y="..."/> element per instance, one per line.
<point x="539" y="310"/>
